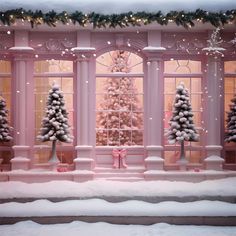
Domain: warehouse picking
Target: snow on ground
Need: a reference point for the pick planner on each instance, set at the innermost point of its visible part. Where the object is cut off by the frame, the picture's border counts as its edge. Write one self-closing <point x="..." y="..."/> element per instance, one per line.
<point x="29" y="228"/>
<point x="100" y="188"/>
<point x="118" y="6"/>
<point x="98" y="207"/>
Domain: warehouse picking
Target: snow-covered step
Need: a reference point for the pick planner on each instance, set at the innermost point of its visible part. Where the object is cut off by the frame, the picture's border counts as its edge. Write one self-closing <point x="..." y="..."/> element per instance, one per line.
<point x="29" y="228"/>
<point x="128" y="212"/>
<point x="129" y="169"/>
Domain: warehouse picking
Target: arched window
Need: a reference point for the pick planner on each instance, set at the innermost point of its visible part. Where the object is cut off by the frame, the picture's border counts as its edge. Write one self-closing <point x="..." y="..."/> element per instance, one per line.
<point x="119" y="99"/>
<point x="45" y="73"/>
<point x="190" y="73"/>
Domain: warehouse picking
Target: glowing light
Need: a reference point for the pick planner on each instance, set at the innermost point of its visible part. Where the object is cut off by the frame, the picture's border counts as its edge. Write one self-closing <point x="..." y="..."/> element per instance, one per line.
<point x="8" y="32"/>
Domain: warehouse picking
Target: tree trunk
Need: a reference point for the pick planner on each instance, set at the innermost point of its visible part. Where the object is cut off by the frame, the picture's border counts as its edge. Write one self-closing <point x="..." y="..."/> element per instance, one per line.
<point x="182" y="152"/>
<point x="54" y="154"/>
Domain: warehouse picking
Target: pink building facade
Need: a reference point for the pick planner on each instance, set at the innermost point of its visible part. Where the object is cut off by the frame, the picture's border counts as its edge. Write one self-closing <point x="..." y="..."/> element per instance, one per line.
<point x="79" y="60"/>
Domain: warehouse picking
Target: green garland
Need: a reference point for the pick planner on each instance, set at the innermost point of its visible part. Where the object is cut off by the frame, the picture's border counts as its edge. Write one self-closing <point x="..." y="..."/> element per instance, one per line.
<point x="51" y="18"/>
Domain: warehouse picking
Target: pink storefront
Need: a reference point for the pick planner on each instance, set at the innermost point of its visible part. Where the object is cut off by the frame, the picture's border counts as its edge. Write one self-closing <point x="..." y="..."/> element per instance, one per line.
<point x="141" y="66"/>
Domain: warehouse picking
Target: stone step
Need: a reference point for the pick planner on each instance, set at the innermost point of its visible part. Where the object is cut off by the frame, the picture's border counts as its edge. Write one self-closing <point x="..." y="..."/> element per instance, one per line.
<point x="125" y="220"/>
<point x="115" y="199"/>
<point x="122" y="176"/>
<point x="128" y="212"/>
<point x="129" y="169"/>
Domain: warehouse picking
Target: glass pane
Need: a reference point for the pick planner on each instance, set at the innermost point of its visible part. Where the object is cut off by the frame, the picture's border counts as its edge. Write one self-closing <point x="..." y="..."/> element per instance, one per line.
<point x="137" y="85"/>
<point x="230" y="67"/>
<point x="119" y="61"/>
<point x="196" y="86"/>
<point x="113" y="138"/>
<point x="197" y="118"/>
<point x="182" y="66"/>
<point x="125" y="138"/>
<point x="137" y="137"/>
<point x="229" y="85"/>
<point x="186" y="82"/>
<point x="196" y="102"/>
<point x="5" y="67"/>
<point x="137" y="120"/>
<point x="169" y="101"/>
<point x="101" y="138"/>
<point x="170" y="86"/>
<point x="54" y="66"/>
<point x="113" y="120"/>
<point x="67" y="85"/>
<point x="101" y="120"/>
<point x="137" y="102"/>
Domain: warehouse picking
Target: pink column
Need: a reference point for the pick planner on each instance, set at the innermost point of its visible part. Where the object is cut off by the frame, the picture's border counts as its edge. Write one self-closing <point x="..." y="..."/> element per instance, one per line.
<point x="22" y="74"/>
<point x="213" y="103"/>
<point x="84" y="96"/>
<point x="154" y="102"/>
<point x="22" y="59"/>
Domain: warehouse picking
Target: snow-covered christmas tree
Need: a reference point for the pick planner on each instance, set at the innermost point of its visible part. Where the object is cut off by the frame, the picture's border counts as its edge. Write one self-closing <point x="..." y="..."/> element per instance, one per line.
<point x="5" y="135"/>
<point x="231" y="122"/>
<point x="181" y="123"/>
<point x="55" y="125"/>
<point x="119" y="101"/>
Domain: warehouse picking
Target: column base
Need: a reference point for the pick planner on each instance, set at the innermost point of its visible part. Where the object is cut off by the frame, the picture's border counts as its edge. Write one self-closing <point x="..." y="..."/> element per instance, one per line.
<point x="213" y="150"/>
<point x="20" y="160"/>
<point x="214" y="163"/>
<point x="154" y="151"/>
<point x="154" y="163"/>
<point x="20" y="163"/>
<point x="83" y="163"/>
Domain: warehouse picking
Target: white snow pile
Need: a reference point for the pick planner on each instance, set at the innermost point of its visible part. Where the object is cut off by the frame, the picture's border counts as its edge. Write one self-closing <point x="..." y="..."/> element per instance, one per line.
<point x="99" y="207"/>
<point x="100" y="188"/>
<point x="29" y="228"/>
<point x="118" y="6"/>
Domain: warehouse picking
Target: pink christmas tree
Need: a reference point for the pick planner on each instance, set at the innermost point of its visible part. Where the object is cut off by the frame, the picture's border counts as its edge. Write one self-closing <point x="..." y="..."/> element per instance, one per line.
<point x="117" y="123"/>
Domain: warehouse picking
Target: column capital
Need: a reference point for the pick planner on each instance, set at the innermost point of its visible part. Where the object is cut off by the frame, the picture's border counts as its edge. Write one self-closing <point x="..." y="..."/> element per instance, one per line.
<point x="154" y="53"/>
<point x="83" y="53"/>
<point x="22" y="53"/>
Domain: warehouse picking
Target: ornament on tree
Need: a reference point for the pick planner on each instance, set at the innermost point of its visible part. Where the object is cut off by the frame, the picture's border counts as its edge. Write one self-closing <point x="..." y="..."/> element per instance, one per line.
<point x="117" y="118"/>
<point x="231" y="122"/>
<point x="55" y="125"/>
<point x="5" y="135"/>
<point x="181" y="123"/>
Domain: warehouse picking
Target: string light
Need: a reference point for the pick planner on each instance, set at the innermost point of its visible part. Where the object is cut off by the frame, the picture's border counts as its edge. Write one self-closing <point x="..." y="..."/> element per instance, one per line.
<point x="186" y="19"/>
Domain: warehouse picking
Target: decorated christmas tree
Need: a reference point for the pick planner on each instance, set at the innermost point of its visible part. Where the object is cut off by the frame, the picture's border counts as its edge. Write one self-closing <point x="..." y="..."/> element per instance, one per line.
<point x="55" y="125"/>
<point x="5" y="135"/>
<point x="231" y="122"/>
<point x="118" y="103"/>
<point x="181" y="123"/>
